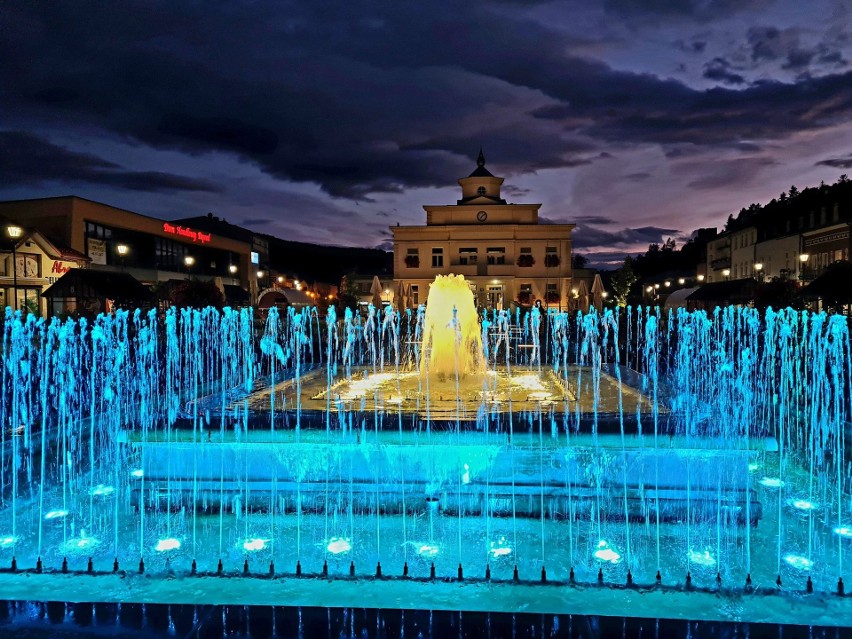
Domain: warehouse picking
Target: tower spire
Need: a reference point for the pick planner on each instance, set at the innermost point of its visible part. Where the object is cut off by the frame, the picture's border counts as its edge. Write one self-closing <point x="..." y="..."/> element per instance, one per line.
<point x="480" y="160"/>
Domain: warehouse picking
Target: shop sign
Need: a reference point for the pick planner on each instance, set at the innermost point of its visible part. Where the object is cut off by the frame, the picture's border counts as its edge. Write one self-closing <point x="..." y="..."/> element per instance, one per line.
<point x="97" y="251"/>
<point x="185" y="231"/>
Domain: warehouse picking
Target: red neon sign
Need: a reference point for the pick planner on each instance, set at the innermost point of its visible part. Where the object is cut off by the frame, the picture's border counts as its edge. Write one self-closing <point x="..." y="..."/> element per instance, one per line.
<point x="185" y="231"/>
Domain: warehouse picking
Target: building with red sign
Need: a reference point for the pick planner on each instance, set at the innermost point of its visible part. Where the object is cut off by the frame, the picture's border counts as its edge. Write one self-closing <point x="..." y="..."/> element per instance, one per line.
<point x="151" y="250"/>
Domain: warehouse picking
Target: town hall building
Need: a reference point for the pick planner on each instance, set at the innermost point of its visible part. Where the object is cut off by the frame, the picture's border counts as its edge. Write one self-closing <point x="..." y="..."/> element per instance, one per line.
<point x="499" y="247"/>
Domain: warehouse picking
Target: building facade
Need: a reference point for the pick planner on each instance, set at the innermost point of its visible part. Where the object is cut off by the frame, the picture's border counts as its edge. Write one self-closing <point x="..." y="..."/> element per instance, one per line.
<point x="152" y="250"/>
<point x="500" y="248"/>
<point x="32" y="265"/>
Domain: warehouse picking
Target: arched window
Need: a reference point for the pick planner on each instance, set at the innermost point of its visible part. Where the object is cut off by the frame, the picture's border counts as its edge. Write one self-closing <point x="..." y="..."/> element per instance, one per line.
<point x="480" y="190"/>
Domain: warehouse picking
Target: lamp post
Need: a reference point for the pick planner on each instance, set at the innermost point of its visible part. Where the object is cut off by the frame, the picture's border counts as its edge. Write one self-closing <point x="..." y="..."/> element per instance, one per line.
<point x="758" y="271"/>
<point x="14" y="232"/>
<point x="188" y="262"/>
<point x="726" y="273"/>
<point x="803" y="261"/>
<point x="122" y="250"/>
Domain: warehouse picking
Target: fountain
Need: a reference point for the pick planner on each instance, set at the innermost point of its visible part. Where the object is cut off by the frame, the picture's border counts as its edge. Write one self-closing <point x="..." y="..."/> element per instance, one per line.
<point x="685" y="454"/>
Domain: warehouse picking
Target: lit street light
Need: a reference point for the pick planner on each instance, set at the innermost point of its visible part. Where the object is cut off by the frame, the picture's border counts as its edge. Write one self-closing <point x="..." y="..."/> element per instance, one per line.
<point x="14" y="232"/>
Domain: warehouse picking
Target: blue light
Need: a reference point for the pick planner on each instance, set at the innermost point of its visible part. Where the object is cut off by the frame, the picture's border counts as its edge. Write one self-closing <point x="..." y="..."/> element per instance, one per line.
<point x="8" y="541"/>
<point x="500" y="548"/>
<point x="137" y="473"/>
<point x="606" y="554"/>
<point x="253" y="545"/>
<point x="167" y="544"/>
<point x="702" y="558"/>
<point x="843" y="531"/>
<point x="771" y="482"/>
<point x="338" y="546"/>
<point x="802" y="504"/>
<point x="428" y="551"/>
<point x="56" y="514"/>
<point x="799" y="562"/>
<point x="101" y="491"/>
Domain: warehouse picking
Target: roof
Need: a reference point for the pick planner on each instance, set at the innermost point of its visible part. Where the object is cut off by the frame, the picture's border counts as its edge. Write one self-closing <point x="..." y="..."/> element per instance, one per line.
<point x="679" y="297"/>
<point x="84" y="282"/>
<point x="832" y="285"/>
<point x="480" y="170"/>
<point x="730" y="290"/>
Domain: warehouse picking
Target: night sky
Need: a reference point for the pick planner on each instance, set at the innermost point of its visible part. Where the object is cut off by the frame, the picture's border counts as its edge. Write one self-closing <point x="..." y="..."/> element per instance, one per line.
<point x="330" y="121"/>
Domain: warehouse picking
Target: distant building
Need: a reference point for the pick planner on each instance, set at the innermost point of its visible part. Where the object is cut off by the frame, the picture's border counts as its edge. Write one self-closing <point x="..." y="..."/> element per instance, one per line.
<point x="502" y="249"/>
<point x="151" y="250"/>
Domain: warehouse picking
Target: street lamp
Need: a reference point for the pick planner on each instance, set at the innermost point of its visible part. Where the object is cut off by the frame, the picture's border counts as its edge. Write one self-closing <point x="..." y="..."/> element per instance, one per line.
<point x="667" y="283"/>
<point x="726" y="273"/>
<point x="14" y="232"/>
<point x="188" y="262"/>
<point x="803" y="259"/>
<point x="758" y="270"/>
<point x="701" y="278"/>
<point x="232" y="269"/>
<point x="122" y="250"/>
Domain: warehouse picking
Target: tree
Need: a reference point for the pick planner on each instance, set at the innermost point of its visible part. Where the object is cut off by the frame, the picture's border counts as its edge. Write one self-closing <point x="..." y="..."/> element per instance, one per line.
<point x="348" y="295"/>
<point x="197" y="294"/>
<point x="622" y="281"/>
<point x="579" y="260"/>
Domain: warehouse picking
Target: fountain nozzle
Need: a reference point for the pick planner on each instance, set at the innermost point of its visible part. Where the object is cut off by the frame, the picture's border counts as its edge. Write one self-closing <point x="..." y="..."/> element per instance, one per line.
<point x="325" y="568"/>
<point x="15" y="564"/>
<point x="840" y="587"/>
<point x="39" y="567"/>
<point x="114" y="564"/>
<point x="194" y="569"/>
<point x="219" y="567"/>
<point x="298" y="568"/>
<point x="487" y="572"/>
<point x="432" y="571"/>
<point x="809" y="586"/>
<point x="245" y="567"/>
<point x="405" y="569"/>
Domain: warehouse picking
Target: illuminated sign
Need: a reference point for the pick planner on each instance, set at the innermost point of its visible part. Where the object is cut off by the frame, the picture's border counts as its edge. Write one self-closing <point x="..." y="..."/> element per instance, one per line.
<point x="60" y="268"/>
<point x="255" y="257"/>
<point x="185" y="231"/>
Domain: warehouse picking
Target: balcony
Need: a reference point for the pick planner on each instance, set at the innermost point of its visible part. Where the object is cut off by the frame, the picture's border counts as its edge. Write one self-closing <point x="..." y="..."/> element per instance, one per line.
<point x="721" y="262"/>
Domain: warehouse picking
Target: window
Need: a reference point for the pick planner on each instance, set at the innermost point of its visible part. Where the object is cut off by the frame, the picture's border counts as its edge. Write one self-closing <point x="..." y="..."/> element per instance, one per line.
<point x="467" y="255"/>
<point x="496" y="255"/>
<point x="169" y="254"/>
<point x="412" y="258"/>
<point x="98" y="232"/>
<point x="415" y="294"/>
<point x="480" y="190"/>
<point x="437" y="258"/>
<point x="255" y="257"/>
<point x="27" y="265"/>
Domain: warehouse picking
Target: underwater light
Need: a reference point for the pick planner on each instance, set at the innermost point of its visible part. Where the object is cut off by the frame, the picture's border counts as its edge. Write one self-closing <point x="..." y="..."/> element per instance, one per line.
<point x="753" y="466"/>
<point x="8" y="542"/>
<point x="338" y="546"/>
<point x="169" y="543"/>
<point x="702" y="558"/>
<point x="255" y="544"/>
<point x="466" y="475"/>
<point x="798" y="562"/>
<point x="802" y="504"/>
<point x="101" y="491"/>
<point x="771" y="482"/>
<point x="428" y="551"/>
<point x="56" y="514"/>
<point x="80" y="544"/>
<point x="137" y="474"/>
<point x="843" y="531"/>
<point x="605" y="553"/>
<point x="500" y="548"/>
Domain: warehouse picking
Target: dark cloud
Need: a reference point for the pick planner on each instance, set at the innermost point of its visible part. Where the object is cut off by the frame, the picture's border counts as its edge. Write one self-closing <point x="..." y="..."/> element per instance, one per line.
<point x="692" y="46"/>
<point x="637" y="177"/>
<point x="591" y="237"/>
<point x="26" y="159"/>
<point x="257" y="221"/>
<point x="219" y="132"/>
<point x="725" y="173"/>
<point x="837" y="163"/>
<point x="699" y="10"/>
<point x="719" y="69"/>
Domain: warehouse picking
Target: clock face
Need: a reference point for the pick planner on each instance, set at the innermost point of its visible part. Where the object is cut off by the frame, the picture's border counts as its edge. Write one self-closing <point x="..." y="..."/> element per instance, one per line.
<point x="482" y="216"/>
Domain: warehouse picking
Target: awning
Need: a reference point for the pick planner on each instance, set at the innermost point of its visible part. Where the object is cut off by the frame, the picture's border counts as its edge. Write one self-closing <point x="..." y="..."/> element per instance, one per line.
<point x="83" y="283"/>
<point x="834" y="286"/>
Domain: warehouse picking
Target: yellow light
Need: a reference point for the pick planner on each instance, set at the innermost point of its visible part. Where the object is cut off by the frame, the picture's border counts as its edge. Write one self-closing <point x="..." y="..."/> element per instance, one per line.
<point x="681" y="280"/>
<point x="726" y="272"/>
<point x="280" y="279"/>
<point x="122" y="249"/>
<point x="758" y="266"/>
<point x="232" y="268"/>
<point x="700" y="278"/>
<point x="260" y="274"/>
<point x="14" y="231"/>
<point x="605" y="294"/>
<point x="667" y="283"/>
<point x="189" y="260"/>
<point x="649" y="289"/>
<point x="804" y="257"/>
